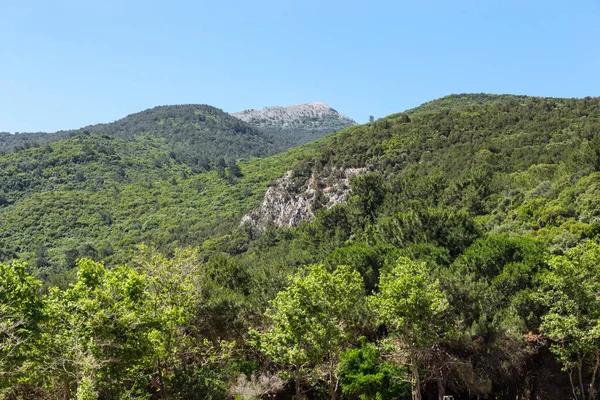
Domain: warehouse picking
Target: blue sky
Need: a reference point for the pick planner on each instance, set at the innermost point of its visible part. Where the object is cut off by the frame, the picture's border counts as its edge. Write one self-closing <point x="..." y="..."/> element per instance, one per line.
<point x="66" y="64"/>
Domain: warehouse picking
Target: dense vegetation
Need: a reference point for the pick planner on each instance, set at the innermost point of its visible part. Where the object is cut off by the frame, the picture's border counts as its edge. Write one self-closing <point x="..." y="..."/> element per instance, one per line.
<point x="20" y="141"/>
<point x="97" y="196"/>
<point x="200" y="136"/>
<point x="465" y="263"/>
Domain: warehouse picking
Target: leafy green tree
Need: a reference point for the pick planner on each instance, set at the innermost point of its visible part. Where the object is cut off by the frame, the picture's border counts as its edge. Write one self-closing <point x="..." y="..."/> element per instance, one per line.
<point x="368" y="194"/>
<point x="312" y="321"/>
<point x="448" y="227"/>
<point x="220" y="166"/>
<point x="412" y="306"/>
<point x="97" y="332"/>
<point x="488" y="283"/>
<point x="41" y="257"/>
<point x="176" y="289"/>
<point x="570" y="289"/>
<point x="21" y="312"/>
<point x="364" y="373"/>
<point x="233" y="169"/>
<point x="368" y="260"/>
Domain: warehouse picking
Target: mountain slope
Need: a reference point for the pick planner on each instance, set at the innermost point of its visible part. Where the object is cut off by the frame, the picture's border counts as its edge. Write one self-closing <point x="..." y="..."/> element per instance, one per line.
<point x="296" y="124"/>
<point x="485" y="203"/>
<point x="21" y="141"/>
<point x="90" y="188"/>
<point x="194" y="131"/>
<point x="197" y="135"/>
<point x="100" y="196"/>
<point x="479" y="142"/>
<point x="493" y="197"/>
<point x="485" y="155"/>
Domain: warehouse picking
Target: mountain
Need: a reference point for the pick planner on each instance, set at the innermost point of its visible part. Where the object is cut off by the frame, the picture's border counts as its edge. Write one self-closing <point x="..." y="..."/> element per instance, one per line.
<point x="197" y="135"/>
<point x="118" y="164"/>
<point x="101" y="192"/>
<point x="465" y="230"/>
<point x="296" y="124"/>
<point x="200" y="135"/>
<point x="493" y="198"/>
<point x="149" y="194"/>
<point x="492" y="133"/>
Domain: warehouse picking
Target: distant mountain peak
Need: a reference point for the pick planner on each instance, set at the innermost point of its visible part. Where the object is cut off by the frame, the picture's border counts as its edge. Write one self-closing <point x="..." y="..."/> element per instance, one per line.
<point x="289" y="115"/>
<point x="297" y="123"/>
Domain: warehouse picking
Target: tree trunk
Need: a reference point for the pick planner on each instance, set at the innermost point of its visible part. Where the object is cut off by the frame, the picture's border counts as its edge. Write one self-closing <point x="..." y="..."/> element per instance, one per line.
<point x="417" y="381"/>
<point x="161" y="381"/>
<point x="332" y="394"/>
<point x="573" y="385"/>
<point x="332" y="386"/>
<point x="440" y="386"/>
<point x="67" y="394"/>
<point x="592" y="393"/>
<point x="580" y="375"/>
<point x="298" y="387"/>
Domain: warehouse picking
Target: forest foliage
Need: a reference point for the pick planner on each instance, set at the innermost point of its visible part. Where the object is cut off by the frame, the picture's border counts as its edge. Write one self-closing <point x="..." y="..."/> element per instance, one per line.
<point x="464" y="262"/>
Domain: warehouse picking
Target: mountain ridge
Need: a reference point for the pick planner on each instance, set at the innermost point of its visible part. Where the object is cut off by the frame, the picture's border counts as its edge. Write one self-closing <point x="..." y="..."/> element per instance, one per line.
<point x="312" y="122"/>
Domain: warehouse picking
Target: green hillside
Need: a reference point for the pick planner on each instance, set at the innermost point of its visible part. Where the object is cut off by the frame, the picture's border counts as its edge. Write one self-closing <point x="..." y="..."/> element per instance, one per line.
<point x="95" y="195"/>
<point x="197" y="135"/>
<point x="201" y="135"/>
<point x="465" y="100"/>
<point x="19" y="141"/>
<point x="464" y="262"/>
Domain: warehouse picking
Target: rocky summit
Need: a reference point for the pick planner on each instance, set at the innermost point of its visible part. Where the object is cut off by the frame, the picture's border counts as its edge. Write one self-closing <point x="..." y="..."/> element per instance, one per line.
<point x="297" y="123"/>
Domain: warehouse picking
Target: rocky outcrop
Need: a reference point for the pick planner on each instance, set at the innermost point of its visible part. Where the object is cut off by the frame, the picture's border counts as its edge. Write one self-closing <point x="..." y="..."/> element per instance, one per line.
<point x="290" y="116"/>
<point x="296" y="124"/>
<point x="287" y="203"/>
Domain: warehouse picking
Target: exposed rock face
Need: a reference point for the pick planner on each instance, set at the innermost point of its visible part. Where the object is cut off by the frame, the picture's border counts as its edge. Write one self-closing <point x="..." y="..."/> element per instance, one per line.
<point x="287" y="204"/>
<point x="298" y="123"/>
<point x="290" y="116"/>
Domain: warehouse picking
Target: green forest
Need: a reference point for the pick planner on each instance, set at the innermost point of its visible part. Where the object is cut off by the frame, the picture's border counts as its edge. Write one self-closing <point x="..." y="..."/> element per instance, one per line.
<point x="465" y="261"/>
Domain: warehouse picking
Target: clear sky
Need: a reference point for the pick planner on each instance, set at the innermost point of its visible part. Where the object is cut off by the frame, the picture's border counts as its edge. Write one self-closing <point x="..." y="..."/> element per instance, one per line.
<point x="66" y="64"/>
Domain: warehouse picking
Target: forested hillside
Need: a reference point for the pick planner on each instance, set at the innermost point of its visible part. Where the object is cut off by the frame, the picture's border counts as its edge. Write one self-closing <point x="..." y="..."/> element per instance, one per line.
<point x="464" y="261"/>
<point x="201" y="136"/>
<point x="94" y="195"/>
<point x="19" y="141"/>
<point x="197" y="135"/>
